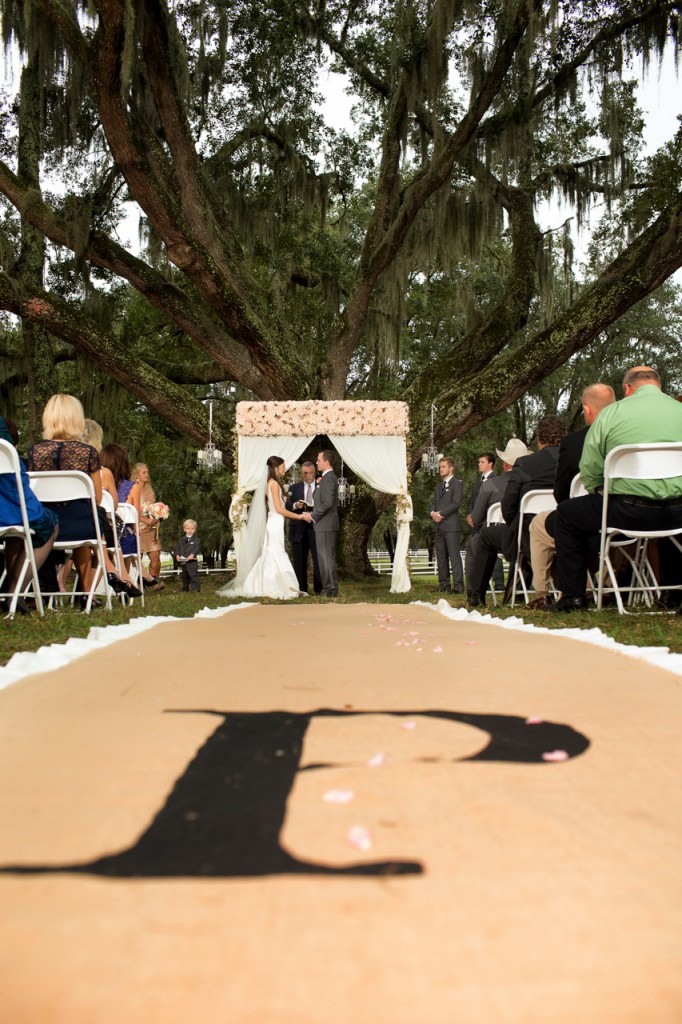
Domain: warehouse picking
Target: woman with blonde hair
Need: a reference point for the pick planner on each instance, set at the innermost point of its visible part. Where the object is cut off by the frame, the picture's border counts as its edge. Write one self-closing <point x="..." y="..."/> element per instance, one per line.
<point x="63" y="449"/>
<point x="149" y="526"/>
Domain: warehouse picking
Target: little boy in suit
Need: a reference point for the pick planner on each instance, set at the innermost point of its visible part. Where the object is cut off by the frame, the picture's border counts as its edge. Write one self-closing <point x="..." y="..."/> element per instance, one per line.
<point x="186" y="556"/>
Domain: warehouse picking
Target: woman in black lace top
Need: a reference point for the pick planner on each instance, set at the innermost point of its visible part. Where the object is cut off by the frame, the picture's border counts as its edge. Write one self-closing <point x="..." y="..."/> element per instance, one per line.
<point x="62" y="449"/>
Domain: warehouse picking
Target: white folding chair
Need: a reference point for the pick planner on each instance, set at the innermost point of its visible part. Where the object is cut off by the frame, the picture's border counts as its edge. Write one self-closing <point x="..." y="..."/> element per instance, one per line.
<point x="578" y="489"/>
<point x="531" y="502"/>
<point x="9" y="465"/>
<point x="69" y="485"/>
<point x="494" y="515"/>
<point x="659" y="461"/>
<point x="107" y="503"/>
<point x="126" y="515"/>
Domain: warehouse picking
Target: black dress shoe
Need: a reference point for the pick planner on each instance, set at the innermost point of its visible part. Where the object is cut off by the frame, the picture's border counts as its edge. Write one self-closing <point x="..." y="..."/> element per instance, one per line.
<point x="131" y="590"/>
<point x="576" y="603"/>
<point x="442" y="590"/>
<point x="476" y="600"/>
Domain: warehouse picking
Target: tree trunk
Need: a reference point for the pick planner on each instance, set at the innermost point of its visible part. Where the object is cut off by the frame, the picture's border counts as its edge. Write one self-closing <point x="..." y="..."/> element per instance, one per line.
<point x="357" y="525"/>
<point x="43" y="381"/>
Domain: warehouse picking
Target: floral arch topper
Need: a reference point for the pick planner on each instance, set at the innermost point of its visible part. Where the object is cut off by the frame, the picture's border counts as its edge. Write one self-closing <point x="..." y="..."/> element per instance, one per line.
<point x="369" y="436"/>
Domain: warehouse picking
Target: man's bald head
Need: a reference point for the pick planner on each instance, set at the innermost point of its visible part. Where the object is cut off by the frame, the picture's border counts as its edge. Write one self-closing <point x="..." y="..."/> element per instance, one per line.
<point x="595" y="398"/>
<point x="638" y="376"/>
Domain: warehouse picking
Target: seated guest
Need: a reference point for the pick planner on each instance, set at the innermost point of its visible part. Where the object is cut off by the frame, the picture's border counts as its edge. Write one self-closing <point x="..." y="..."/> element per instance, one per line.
<point x="644" y="416"/>
<point x="93" y="435"/>
<point x="42" y="521"/>
<point x="594" y="398"/>
<point x="115" y="459"/>
<point x="62" y="449"/>
<point x="488" y="493"/>
<point x="536" y="471"/>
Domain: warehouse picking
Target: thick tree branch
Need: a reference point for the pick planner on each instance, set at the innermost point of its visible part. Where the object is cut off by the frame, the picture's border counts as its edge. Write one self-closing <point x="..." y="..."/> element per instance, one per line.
<point x="166" y="297"/>
<point x="64" y="321"/>
<point x="201" y="258"/>
<point x="387" y="233"/>
<point x="564" y="75"/>
<point x="637" y="272"/>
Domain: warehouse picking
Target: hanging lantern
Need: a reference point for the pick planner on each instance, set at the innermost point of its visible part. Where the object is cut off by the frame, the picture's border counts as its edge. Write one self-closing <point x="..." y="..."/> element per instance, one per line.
<point x="346" y="491"/>
<point x="210" y="457"/>
<point x="431" y="456"/>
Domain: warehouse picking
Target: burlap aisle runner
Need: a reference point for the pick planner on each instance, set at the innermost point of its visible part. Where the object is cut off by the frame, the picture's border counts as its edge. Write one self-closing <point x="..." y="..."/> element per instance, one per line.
<point x="341" y="814"/>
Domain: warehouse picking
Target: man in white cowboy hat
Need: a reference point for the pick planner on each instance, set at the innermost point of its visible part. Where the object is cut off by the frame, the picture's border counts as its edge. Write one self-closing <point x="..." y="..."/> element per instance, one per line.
<point x="488" y="492"/>
<point x="530" y="472"/>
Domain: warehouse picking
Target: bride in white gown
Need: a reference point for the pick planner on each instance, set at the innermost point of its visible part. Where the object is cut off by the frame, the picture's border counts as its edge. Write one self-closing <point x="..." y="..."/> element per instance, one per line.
<point x="273" y="574"/>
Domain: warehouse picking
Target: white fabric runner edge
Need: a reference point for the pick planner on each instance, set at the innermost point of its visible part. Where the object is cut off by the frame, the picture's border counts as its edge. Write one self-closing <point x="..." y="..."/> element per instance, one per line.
<point x="48" y="659"/>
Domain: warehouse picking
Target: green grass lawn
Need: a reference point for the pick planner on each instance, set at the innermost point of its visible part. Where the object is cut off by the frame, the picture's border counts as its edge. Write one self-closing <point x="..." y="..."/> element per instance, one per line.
<point x="28" y="633"/>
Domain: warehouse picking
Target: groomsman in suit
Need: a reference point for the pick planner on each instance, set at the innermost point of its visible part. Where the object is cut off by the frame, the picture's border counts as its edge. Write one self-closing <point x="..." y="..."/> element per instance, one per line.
<point x="448" y="530"/>
<point x="301" y="533"/>
<point x="325" y="517"/>
<point x="486" y="463"/>
<point x="536" y="471"/>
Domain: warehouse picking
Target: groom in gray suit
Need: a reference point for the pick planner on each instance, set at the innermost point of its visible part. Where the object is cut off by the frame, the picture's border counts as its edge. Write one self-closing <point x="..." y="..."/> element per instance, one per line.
<point x="325" y="517"/>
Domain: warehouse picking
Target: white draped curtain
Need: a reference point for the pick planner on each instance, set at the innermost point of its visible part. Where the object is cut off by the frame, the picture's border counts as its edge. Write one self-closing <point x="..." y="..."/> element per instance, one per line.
<point x="379" y="460"/>
<point x="252" y="456"/>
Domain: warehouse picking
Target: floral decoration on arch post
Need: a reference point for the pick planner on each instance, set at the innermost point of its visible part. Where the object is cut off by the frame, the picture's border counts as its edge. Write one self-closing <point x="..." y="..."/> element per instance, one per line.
<point x="239" y="508"/>
<point x="404" y="512"/>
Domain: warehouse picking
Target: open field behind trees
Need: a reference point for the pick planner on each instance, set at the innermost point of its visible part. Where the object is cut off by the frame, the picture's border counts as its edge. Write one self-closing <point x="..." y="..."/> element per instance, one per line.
<point x="29" y="634"/>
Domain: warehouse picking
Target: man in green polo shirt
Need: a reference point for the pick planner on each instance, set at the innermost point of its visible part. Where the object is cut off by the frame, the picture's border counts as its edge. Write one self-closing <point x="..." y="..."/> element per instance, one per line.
<point x="644" y="416"/>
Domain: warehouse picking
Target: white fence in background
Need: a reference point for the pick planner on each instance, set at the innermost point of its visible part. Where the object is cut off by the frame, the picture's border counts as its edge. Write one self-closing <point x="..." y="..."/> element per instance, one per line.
<point x="420" y="564"/>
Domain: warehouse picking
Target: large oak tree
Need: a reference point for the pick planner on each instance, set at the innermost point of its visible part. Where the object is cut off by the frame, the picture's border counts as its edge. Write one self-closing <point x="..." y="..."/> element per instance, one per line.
<point x="281" y="249"/>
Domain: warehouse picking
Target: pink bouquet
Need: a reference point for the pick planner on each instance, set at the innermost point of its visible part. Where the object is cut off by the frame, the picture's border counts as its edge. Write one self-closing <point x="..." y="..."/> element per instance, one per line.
<point x="155" y="510"/>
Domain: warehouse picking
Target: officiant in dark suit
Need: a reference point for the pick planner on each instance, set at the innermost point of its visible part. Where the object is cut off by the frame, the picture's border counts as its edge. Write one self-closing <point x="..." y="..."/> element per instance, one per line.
<point x="448" y="530"/>
<point x="301" y="533"/>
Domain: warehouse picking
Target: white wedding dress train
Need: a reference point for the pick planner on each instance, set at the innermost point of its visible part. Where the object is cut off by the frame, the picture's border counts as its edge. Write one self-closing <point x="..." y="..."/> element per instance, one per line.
<point x="273" y="574"/>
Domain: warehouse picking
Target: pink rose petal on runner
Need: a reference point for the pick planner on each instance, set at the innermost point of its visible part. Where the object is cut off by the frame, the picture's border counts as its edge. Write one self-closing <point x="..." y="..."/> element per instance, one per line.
<point x="338" y="796"/>
<point x="555" y="755"/>
<point x="533" y="720"/>
<point x="437" y="650"/>
<point x="359" y="838"/>
<point x="375" y="761"/>
<point x="408" y="725"/>
<point x="472" y="643"/>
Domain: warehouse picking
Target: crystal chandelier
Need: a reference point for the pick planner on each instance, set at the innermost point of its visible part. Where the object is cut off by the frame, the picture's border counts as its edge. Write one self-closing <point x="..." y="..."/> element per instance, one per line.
<point x="346" y="491"/>
<point x="431" y="456"/>
<point x="210" y="457"/>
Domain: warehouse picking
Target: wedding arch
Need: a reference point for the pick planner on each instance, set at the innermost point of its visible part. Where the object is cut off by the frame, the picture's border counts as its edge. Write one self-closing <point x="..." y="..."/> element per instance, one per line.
<point x="370" y="438"/>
